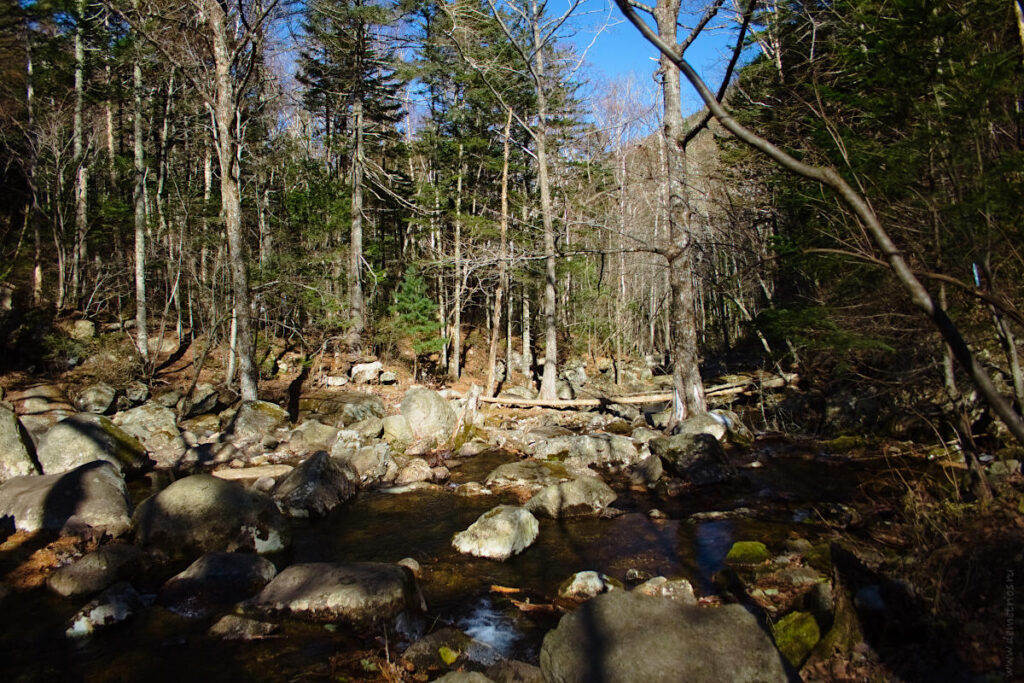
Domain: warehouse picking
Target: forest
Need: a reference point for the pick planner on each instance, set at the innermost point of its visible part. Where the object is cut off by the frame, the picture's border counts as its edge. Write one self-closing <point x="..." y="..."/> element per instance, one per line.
<point x="310" y="309"/>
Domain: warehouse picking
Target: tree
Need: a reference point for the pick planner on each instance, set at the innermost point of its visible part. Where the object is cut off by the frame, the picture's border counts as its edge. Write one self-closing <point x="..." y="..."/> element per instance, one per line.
<point x="414" y="316"/>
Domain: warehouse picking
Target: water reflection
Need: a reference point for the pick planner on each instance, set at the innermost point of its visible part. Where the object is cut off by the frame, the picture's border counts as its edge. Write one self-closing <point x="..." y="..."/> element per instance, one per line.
<point x="711" y="544"/>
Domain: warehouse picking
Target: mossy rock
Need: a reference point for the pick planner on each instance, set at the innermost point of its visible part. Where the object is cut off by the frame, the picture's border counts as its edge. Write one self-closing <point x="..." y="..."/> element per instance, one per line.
<point x="747" y="553"/>
<point x="845" y="444"/>
<point x="796" y="634"/>
<point x="820" y="557"/>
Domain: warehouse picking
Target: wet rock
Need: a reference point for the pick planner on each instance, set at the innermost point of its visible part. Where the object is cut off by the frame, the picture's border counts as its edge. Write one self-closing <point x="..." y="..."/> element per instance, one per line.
<point x="315" y="487"/>
<point x="625" y="636"/>
<point x="368" y="429"/>
<point x="234" y="627"/>
<point x="513" y="671"/>
<point x="586" y="585"/>
<point x="398" y="432"/>
<point x="360" y="593"/>
<point x="371" y="464"/>
<point x="471" y="489"/>
<point x="15" y="460"/>
<point x="796" y="634"/>
<point x="99" y="569"/>
<point x="585" y="450"/>
<point x="415" y="470"/>
<point x="83" y="438"/>
<point x="204" y="399"/>
<point x="586" y="496"/>
<point x="96" y="398"/>
<point x="430" y="416"/>
<point x="679" y="590"/>
<point x="156" y="428"/>
<point x="699" y="458"/>
<point x="202" y="513"/>
<point x="112" y="606"/>
<point x="449" y="648"/>
<point x="92" y="495"/>
<point x="215" y="581"/>
<point x="255" y="419"/>
<point x="646" y="472"/>
<point x="747" y="553"/>
<point x="499" y="533"/>
<point x="531" y="474"/>
<point x="366" y="373"/>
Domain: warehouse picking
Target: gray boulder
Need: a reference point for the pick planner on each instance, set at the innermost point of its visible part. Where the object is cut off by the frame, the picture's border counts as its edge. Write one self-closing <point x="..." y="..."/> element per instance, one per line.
<point x="704" y="423"/>
<point x="83" y="438"/>
<point x="215" y="581"/>
<point x="388" y="377"/>
<point x="92" y="495"/>
<point x="585" y="450"/>
<point x="498" y="534"/>
<point x="397" y="432"/>
<point x="620" y="637"/>
<point x="581" y="497"/>
<point x="312" y="435"/>
<point x="234" y="627"/>
<point x="15" y="460"/>
<point x="202" y="513"/>
<point x="429" y="414"/>
<point x="698" y="458"/>
<point x="371" y="464"/>
<point x="96" y="398"/>
<point x="343" y="407"/>
<point x="360" y="594"/>
<point x="531" y="474"/>
<point x="204" y="399"/>
<point x="679" y="590"/>
<point x="463" y="677"/>
<point x="255" y="420"/>
<point x="416" y="469"/>
<point x="156" y="427"/>
<point x="40" y="407"/>
<point x="366" y="373"/>
<point x="368" y="429"/>
<point x="98" y="570"/>
<point x="586" y="585"/>
<point x="114" y="605"/>
<point x="315" y="487"/>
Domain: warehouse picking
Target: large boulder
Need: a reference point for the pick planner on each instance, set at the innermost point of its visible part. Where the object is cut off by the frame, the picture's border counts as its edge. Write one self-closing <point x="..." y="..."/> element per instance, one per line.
<point x="366" y="373"/>
<point x="620" y="637"/>
<point x="529" y="474"/>
<point x="499" y="533"/>
<point x="585" y="450"/>
<point x="156" y="427"/>
<point x="398" y="432"/>
<point x="215" y="581"/>
<point x="85" y="437"/>
<point x="96" y="398"/>
<point x="204" y="399"/>
<point x="698" y="458"/>
<point x="359" y="594"/>
<point x="256" y="419"/>
<point x="577" y="498"/>
<point x="704" y="423"/>
<point x="41" y="407"/>
<point x="15" y="460"/>
<point x="315" y="487"/>
<point x="371" y="464"/>
<point x="429" y="414"/>
<point x="99" y="569"/>
<point x="92" y="495"/>
<point x="343" y="407"/>
<point x="202" y="513"/>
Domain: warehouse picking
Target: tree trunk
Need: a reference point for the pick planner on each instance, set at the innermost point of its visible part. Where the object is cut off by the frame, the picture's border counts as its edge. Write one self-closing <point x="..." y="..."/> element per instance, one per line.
<point x="355" y="263"/>
<point x="140" y="218"/>
<point x="80" y="252"/>
<point x="454" y="365"/>
<point x="226" y="111"/>
<point x="502" y="268"/>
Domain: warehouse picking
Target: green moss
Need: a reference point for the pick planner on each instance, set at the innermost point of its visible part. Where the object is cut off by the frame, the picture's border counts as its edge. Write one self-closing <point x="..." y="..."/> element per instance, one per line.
<point x="796" y="634"/>
<point x="747" y="552"/>
<point x="845" y="444"/>
<point x="447" y="655"/>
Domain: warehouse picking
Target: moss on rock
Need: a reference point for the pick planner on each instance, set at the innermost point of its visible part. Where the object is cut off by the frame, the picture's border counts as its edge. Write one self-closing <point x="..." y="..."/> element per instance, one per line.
<point x="796" y="634"/>
<point x="747" y="552"/>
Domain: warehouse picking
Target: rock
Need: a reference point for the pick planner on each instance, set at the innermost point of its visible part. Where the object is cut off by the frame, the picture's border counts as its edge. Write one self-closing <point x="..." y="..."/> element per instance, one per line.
<point x="430" y="416"/>
<point x="256" y="419"/>
<point x="215" y="581"/>
<point x="343" y="407"/>
<point x="646" y="472"/>
<point x="463" y="677"/>
<point x="15" y="460"/>
<point x="588" y="449"/>
<point x="368" y="429"/>
<point x="796" y="634"/>
<point x="643" y="435"/>
<point x="518" y="392"/>
<point x="1001" y="469"/>
<point x="563" y="390"/>
<point x="417" y="469"/>
<point x="371" y="464"/>
<point x="704" y="423"/>
<point x="202" y="513"/>
<point x="531" y="474"/>
<point x="398" y="432"/>
<point x="96" y="398"/>
<point x="624" y="636"/>
<point x="315" y="487"/>
<point x="581" y="497"/>
<point x="82" y="330"/>
<point x="99" y="569"/>
<point x="204" y="399"/>
<point x="586" y="585"/>
<point x="311" y="436"/>
<point x="233" y="627"/>
<point x="513" y="671"/>
<point x="799" y="576"/>
<point x="114" y="605"/>
<point x="449" y="647"/>
<point x="83" y="438"/>
<point x="747" y="553"/>
<point x="156" y="428"/>
<point x="359" y="594"/>
<point x="252" y="474"/>
<point x="388" y="377"/>
<point x="204" y="426"/>
<point x="679" y="590"/>
<point x="136" y="392"/>
<point x="40" y="407"/>
<point x="498" y="534"/>
<point x="699" y="458"/>
<point x="168" y="398"/>
<point x="366" y="373"/>
<point x="736" y="432"/>
<point x="473" y="447"/>
<point x="92" y="495"/>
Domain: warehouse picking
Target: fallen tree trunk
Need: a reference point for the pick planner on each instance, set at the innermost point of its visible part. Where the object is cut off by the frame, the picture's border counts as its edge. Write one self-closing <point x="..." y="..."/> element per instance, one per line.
<point x="731" y="388"/>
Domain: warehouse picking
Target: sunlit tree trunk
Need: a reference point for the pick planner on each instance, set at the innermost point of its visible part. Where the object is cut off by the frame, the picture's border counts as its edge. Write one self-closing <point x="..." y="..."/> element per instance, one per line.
<point x="140" y="217"/>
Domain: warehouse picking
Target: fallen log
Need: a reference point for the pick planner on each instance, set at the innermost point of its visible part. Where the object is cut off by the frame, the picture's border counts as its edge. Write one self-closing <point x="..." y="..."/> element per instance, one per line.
<point x="728" y="389"/>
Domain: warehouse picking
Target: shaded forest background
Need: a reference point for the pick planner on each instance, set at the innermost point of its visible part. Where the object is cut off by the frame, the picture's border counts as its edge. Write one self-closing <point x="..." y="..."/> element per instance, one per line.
<point x="416" y="179"/>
